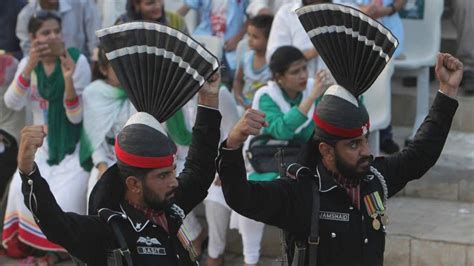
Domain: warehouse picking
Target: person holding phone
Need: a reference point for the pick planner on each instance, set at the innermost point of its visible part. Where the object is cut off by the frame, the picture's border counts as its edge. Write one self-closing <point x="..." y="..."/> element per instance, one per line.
<point x="50" y="79"/>
<point x="80" y="20"/>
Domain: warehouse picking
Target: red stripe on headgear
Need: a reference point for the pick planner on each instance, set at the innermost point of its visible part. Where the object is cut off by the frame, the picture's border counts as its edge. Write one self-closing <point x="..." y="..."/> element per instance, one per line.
<point x="341" y="132"/>
<point x="143" y="161"/>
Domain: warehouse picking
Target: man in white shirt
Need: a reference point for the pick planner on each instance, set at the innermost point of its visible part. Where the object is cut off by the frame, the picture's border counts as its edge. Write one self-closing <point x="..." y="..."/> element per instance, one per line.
<point x="287" y="30"/>
<point x="265" y="7"/>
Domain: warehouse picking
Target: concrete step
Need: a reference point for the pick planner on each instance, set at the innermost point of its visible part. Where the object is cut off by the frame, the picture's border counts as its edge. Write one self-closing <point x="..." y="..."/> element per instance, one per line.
<point x="421" y="232"/>
<point x="404" y="104"/>
<point x="430" y="232"/>
<point x="452" y="178"/>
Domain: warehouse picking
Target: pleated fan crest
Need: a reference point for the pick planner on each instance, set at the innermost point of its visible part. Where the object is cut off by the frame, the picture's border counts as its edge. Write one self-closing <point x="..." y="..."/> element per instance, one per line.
<point x="354" y="46"/>
<point x="159" y="67"/>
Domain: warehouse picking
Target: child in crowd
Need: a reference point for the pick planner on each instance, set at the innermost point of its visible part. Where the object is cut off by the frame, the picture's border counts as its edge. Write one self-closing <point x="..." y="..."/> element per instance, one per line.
<point x="224" y="19"/>
<point x="253" y="71"/>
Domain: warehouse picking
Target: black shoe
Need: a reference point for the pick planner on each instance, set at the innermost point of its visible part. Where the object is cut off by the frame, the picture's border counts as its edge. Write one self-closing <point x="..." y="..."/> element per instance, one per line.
<point x="389" y="146"/>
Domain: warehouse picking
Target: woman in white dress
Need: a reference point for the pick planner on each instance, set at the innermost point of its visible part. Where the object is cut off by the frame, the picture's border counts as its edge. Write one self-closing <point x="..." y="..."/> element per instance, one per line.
<point x="50" y="80"/>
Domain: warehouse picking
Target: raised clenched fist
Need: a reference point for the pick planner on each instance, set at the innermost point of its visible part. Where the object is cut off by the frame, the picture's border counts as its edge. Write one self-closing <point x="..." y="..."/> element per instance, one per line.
<point x="31" y="139"/>
<point x="249" y="124"/>
<point x="449" y="71"/>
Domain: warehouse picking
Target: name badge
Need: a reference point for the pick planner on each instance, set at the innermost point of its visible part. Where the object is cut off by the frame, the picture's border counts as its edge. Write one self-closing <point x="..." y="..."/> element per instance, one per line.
<point x="151" y="251"/>
<point x="334" y="216"/>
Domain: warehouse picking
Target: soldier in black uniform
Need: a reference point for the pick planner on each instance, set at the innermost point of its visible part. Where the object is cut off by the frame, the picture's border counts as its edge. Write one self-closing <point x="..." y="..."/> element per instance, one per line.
<point x="139" y="202"/>
<point x="140" y="195"/>
<point x="332" y="206"/>
<point x="352" y="187"/>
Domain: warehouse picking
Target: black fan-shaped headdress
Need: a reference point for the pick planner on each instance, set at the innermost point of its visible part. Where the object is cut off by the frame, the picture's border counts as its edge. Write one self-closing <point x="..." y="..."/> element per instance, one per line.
<point x="160" y="69"/>
<point x="355" y="48"/>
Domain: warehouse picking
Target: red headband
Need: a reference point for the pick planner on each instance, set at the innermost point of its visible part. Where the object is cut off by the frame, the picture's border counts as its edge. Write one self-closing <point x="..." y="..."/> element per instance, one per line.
<point x="143" y="161"/>
<point x="341" y="132"/>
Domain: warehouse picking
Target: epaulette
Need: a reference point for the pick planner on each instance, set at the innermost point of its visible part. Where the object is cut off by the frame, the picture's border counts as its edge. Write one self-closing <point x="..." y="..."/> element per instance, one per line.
<point x="108" y="214"/>
<point x="296" y="171"/>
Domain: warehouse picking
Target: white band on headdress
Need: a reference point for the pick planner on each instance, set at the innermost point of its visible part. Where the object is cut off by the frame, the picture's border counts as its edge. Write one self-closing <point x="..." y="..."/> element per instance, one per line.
<point x="338" y="91"/>
<point x="147" y="120"/>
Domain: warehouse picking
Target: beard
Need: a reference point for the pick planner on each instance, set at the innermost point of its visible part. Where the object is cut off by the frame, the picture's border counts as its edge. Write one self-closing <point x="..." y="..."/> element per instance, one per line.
<point x="152" y="200"/>
<point x="352" y="172"/>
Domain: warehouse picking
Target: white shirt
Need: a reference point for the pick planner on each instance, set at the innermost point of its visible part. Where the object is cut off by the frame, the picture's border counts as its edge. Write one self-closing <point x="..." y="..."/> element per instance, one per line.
<point x="111" y="11"/>
<point x="287" y="30"/>
<point x="256" y="5"/>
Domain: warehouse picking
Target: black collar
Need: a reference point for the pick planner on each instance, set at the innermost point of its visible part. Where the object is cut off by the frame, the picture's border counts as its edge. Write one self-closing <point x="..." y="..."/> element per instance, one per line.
<point x="326" y="181"/>
<point x="136" y="218"/>
<point x="108" y="191"/>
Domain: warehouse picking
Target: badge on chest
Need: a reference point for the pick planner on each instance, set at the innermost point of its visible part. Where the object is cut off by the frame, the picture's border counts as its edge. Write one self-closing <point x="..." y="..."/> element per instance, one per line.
<point x="334" y="216"/>
<point x="150" y="246"/>
<point x="375" y="209"/>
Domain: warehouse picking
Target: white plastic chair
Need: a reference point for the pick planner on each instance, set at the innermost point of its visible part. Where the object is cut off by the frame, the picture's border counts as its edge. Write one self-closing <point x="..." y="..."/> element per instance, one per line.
<point x="423" y="38"/>
<point x="214" y="44"/>
<point x="191" y="18"/>
<point x="378" y="102"/>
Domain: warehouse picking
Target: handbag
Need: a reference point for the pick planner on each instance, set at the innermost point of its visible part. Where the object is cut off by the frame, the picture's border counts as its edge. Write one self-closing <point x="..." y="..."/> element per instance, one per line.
<point x="267" y="154"/>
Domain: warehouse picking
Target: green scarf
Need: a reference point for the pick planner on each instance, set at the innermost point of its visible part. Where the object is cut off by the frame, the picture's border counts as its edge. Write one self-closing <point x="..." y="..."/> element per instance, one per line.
<point x="62" y="134"/>
<point x="177" y="129"/>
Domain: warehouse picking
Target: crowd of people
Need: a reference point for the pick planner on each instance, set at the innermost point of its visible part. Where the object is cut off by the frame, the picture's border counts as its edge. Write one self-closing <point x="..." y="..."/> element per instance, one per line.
<point x="54" y="72"/>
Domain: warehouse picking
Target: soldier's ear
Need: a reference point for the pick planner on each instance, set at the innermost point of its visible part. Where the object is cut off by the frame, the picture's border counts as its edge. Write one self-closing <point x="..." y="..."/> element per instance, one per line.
<point x="134" y="184"/>
<point x="327" y="151"/>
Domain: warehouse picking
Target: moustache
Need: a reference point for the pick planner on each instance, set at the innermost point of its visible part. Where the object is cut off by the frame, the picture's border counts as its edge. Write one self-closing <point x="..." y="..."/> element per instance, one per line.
<point x="366" y="159"/>
<point x="171" y="192"/>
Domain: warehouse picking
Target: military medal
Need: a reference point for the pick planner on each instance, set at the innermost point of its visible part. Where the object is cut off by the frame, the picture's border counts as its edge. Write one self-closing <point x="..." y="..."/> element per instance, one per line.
<point x="384" y="219"/>
<point x="375" y="208"/>
<point x="375" y="223"/>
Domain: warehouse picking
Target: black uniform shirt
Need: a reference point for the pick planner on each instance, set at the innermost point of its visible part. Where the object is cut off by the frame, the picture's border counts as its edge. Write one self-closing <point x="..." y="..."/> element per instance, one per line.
<point x="89" y="237"/>
<point x="347" y="235"/>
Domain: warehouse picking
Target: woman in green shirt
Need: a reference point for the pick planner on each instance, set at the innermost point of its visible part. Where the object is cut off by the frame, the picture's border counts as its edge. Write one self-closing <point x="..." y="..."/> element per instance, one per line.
<point x="288" y="101"/>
